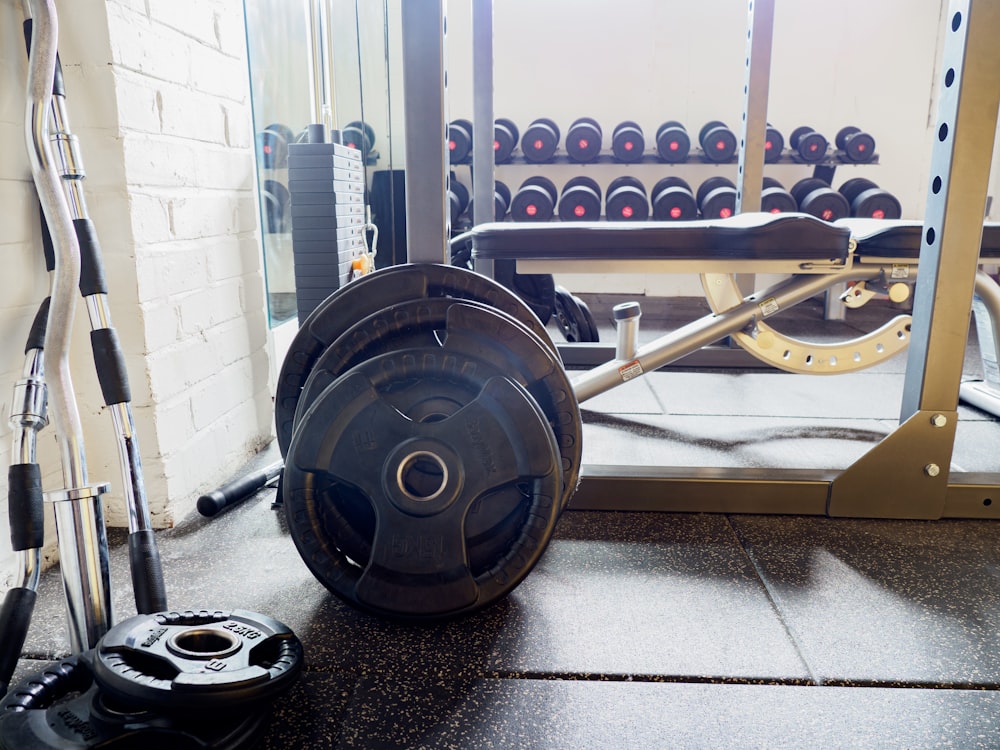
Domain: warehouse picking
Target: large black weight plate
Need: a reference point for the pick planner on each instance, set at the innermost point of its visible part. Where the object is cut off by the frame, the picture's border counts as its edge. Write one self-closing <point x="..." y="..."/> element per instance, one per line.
<point x="467" y="328"/>
<point x="60" y="708"/>
<point x="368" y="295"/>
<point x="421" y="480"/>
<point x="197" y="661"/>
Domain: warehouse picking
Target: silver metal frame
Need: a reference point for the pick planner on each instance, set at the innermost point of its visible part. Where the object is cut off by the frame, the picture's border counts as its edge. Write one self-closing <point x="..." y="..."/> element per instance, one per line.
<point x="906" y="475"/>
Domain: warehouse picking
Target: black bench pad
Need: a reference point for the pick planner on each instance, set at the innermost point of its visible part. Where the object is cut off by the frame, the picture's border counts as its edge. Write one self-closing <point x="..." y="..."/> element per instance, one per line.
<point x="756" y="236"/>
<point x="902" y="238"/>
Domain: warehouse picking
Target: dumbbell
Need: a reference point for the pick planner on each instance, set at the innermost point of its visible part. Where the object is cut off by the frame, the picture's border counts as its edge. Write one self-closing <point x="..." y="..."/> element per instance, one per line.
<point x="459" y="141"/>
<point x="673" y="200"/>
<point x="717" y="141"/>
<point x="583" y="139"/>
<point x="540" y="140"/>
<point x="774" y="144"/>
<point x="535" y="200"/>
<point x="273" y="142"/>
<point x="580" y="200"/>
<point x="810" y="145"/>
<point x="359" y="135"/>
<point x="501" y="202"/>
<point x="672" y="142"/>
<point x="774" y="199"/>
<point x="626" y="200"/>
<point x="855" y="144"/>
<point x="505" y="138"/>
<point x="869" y="200"/>
<point x="817" y="198"/>
<point x="716" y="198"/>
<point x="458" y="199"/>
<point x="627" y="142"/>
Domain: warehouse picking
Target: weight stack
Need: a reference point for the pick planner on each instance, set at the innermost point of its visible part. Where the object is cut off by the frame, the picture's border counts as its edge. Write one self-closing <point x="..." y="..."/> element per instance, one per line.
<point x="326" y="182"/>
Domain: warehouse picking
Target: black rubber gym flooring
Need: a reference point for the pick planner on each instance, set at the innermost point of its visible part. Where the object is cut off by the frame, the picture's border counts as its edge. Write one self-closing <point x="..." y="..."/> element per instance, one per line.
<point x="649" y="630"/>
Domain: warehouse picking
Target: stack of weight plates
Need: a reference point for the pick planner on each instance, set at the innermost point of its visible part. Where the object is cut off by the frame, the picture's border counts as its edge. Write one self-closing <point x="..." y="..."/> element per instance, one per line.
<point x="431" y="439"/>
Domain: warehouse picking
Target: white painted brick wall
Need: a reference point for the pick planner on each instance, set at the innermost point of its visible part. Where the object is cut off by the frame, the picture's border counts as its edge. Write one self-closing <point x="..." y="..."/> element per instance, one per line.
<point x="159" y="98"/>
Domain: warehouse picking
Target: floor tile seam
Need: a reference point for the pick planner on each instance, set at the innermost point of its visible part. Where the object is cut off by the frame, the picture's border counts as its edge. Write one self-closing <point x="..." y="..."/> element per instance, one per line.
<point x="645" y="678"/>
<point x="772" y="599"/>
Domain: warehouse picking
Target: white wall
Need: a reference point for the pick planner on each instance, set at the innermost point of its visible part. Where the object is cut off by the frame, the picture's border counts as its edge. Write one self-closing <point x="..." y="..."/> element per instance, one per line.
<point x="158" y="95"/>
<point x="855" y="62"/>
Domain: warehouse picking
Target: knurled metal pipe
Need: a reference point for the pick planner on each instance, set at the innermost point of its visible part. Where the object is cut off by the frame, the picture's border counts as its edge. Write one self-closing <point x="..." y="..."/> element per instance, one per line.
<point x="626" y="317"/>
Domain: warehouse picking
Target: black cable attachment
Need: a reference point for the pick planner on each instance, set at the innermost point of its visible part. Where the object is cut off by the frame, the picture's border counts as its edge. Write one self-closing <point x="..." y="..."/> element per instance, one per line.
<point x="147" y="572"/>
<point x="92" y="279"/>
<point x="58" y="89"/>
<point x="36" y="336"/>
<point x="110" y="363"/>
<point x="15" y="617"/>
<point x="25" y="507"/>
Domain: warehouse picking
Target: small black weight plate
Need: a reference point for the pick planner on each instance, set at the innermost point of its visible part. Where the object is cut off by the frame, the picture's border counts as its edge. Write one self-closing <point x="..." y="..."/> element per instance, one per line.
<point x="60" y="708"/>
<point x="366" y="128"/>
<point x="197" y="662"/>
<point x="593" y="334"/>
<point x="368" y="295"/>
<point x="545" y="184"/>
<point x="860" y="148"/>
<point x="421" y="480"/>
<point x="812" y="147"/>
<point x="469" y="328"/>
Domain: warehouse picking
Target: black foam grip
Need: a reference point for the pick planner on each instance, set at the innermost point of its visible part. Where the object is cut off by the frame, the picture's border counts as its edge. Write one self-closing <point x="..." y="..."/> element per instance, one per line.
<point x="36" y="336"/>
<point x="15" y="617"/>
<point x="110" y="363"/>
<point x="58" y="88"/>
<point x="25" y="507"/>
<point x="92" y="279"/>
<point x="147" y="572"/>
<point x="236" y="491"/>
<point x="47" y="247"/>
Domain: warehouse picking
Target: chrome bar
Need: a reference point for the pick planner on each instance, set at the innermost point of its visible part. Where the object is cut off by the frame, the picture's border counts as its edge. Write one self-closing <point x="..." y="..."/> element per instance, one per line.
<point x="79" y="525"/>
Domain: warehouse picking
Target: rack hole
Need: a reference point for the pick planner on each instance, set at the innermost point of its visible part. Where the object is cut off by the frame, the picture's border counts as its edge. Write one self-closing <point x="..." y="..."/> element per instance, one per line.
<point x="943" y="131"/>
<point x="936" y="185"/>
<point x="931" y="235"/>
<point x="949" y="77"/>
<point x="956" y="21"/>
<point x="987" y="502"/>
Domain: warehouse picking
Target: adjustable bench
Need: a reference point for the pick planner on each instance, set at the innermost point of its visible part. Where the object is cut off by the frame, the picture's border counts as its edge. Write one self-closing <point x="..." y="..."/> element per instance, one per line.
<point x="880" y="256"/>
